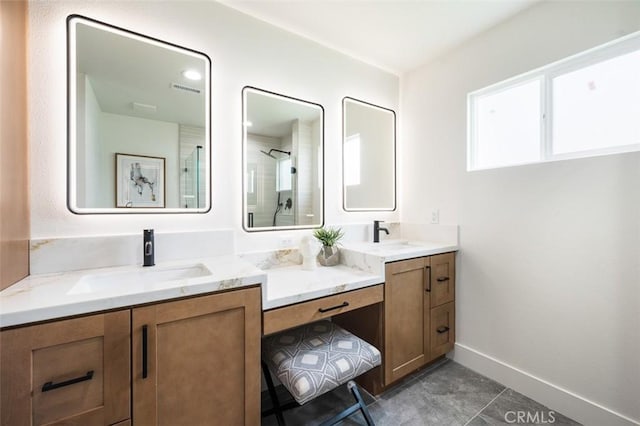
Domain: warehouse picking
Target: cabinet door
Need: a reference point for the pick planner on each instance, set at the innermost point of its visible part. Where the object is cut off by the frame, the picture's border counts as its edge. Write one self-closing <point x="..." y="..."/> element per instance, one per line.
<point x="442" y="329"/>
<point x="406" y="313"/>
<point x="197" y="361"/>
<point x="443" y="278"/>
<point x="73" y="371"/>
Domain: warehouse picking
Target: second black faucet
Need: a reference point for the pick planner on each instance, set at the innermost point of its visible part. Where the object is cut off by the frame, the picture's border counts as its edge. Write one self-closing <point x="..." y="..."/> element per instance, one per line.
<point x="376" y="230"/>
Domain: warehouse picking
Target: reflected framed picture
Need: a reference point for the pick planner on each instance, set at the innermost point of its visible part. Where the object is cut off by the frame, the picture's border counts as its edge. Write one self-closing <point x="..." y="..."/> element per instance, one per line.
<point x="140" y="181"/>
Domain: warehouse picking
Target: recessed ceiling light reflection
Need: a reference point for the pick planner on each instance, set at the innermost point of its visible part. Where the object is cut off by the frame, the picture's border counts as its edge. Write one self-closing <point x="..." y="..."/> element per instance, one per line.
<point x="192" y="75"/>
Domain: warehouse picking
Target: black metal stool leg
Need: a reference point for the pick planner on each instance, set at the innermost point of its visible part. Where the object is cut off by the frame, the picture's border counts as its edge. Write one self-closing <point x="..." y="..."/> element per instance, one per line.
<point x="363" y="407"/>
<point x="272" y="393"/>
<point x="358" y="406"/>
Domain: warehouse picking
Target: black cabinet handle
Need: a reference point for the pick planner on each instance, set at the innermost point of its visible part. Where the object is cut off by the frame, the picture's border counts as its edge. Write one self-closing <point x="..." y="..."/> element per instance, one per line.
<point x="427" y="279"/>
<point x="442" y="279"/>
<point x="49" y="386"/>
<point x="442" y="329"/>
<point x="323" y="310"/>
<point x="144" y="352"/>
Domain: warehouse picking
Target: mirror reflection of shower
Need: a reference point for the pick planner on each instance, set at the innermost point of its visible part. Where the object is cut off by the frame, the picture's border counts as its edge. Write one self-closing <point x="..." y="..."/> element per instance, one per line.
<point x="192" y="167"/>
<point x="282" y="161"/>
<point x="284" y="177"/>
<point x="277" y="150"/>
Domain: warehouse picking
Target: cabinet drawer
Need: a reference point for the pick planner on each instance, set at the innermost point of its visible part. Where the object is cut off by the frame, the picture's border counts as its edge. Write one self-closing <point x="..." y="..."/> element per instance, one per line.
<point x="314" y="310"/>
<point x="442" y="329"/>
<point x="72" y="371"/>
<point x="443" y="278"/>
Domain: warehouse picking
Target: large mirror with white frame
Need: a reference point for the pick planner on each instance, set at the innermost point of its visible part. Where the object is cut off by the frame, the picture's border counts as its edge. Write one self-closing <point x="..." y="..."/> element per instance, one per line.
<point x="282" y="161"/>
<point x="369" y="156"/>
<point x="138" y="123"/>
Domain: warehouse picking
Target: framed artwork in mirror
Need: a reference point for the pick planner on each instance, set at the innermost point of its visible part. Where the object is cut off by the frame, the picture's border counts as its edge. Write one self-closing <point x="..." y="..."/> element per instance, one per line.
<point x="140" y="181"/>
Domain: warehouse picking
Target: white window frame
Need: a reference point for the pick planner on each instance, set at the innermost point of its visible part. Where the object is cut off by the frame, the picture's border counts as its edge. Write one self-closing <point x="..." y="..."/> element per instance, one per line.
<point x="546" y="74"/>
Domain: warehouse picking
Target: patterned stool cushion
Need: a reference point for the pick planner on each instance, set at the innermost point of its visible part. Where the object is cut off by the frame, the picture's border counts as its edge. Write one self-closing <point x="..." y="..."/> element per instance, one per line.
<point x="315" y="358"/>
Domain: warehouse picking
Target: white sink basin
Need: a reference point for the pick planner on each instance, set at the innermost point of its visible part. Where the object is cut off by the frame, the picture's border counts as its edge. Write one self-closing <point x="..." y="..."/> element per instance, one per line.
<point x="396" y="245"/>
<point x="137" y="278"/>
<point x="392" y="245"/>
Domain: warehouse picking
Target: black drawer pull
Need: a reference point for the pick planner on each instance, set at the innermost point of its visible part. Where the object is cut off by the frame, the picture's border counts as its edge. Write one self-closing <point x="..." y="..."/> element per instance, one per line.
<point x="442" y="329"/>
<point x="144" y="352"/>
<point x="323" y="310"/>
<point x="442" y="279"/>
<point x="49" y="386"/>
<point x="427" y="279"/>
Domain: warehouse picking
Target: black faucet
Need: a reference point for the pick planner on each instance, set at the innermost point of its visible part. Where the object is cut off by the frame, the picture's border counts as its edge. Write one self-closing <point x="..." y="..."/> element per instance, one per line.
<point x="377" y="229"/>
<point x="148" y="250"/>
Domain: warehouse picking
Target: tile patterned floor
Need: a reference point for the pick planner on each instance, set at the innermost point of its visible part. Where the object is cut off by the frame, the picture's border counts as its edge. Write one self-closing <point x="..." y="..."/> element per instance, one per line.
<point x="443" y="394"/>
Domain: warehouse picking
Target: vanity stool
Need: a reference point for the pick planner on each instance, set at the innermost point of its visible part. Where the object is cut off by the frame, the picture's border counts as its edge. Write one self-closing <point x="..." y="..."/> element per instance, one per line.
<point x="313" y="359"/>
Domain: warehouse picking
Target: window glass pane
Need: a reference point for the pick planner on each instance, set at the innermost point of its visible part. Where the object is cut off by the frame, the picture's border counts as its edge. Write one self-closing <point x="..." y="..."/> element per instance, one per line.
<point x="507" y="126"/>
<point x="598" y="106"/>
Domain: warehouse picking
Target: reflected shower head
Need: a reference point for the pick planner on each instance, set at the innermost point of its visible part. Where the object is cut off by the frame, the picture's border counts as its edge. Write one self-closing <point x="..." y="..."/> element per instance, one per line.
<point x="268" y="154"/>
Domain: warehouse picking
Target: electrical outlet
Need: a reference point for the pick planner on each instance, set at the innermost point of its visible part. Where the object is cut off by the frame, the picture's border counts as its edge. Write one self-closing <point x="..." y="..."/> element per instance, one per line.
<point x="435" y="216"/>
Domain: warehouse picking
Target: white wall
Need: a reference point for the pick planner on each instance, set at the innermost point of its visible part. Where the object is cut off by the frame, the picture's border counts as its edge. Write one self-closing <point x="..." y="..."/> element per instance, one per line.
<point x="88" y="131"/>
<point x="244" y="51"/>
<point x="549" y="271"/>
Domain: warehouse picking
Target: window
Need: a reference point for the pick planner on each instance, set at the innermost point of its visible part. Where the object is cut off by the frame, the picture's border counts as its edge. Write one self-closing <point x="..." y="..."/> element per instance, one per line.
<point x="508" y="125"/>
<point x="585" y="105"/>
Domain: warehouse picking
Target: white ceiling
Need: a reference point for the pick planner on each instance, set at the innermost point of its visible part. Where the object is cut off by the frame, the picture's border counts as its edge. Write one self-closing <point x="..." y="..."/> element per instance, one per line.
<point x="395" y="35"/>
<point x="125" y="69"/>
<point x="273" y="115"/>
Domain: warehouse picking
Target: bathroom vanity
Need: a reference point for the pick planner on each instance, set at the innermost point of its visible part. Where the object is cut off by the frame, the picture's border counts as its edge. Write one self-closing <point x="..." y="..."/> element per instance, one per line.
<point x="82" y="348"/>
<point x="97" y="347"/>
<point x="154" y="358"/>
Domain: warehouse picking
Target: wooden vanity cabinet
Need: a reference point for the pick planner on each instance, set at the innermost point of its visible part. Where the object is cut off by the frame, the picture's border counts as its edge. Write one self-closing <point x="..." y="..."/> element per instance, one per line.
<point x="443" y="277"/>
<point x="191" y="361"/>
<point x="419" y="313"/>
<point x="197" y="361"/>
<point x="71" y="372"/>
<point x="406" y="317"/>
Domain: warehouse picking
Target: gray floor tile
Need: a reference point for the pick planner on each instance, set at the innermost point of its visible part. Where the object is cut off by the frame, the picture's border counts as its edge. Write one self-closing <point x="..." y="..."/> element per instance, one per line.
<point x="448" y="394"/>
<point x="511" y="404"/>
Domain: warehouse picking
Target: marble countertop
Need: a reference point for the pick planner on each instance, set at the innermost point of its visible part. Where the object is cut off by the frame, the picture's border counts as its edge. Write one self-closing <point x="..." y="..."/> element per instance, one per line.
<point x="394" y="250"/>
<point x="56" y="295"/>
<point x="292" y="284"/>
<point x="362" y="265"/>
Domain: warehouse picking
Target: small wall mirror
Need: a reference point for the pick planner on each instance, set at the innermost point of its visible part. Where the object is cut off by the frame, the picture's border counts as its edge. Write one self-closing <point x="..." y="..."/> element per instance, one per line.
<point x="368" y="156"/>
<point x="138" y="122"/>
<point x="282" y="161"/>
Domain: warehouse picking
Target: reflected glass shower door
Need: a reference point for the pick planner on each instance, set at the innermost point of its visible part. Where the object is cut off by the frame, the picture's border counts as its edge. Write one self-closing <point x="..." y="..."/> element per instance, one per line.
<point x="192" y="187"/>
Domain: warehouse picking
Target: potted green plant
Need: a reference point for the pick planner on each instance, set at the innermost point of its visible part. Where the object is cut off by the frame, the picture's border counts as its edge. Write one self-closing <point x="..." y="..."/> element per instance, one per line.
<point x="329" y="237"/>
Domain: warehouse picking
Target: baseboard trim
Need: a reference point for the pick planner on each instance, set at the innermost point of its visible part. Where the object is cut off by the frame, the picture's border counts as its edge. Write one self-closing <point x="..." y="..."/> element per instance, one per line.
<point x="566" y="402"/>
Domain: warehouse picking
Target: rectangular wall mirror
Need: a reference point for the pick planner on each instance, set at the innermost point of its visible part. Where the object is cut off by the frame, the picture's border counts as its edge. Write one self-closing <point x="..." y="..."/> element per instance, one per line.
<point x="138" y="123"/>
<point x="368" y="157"/>
<point x="282" y="161"/>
